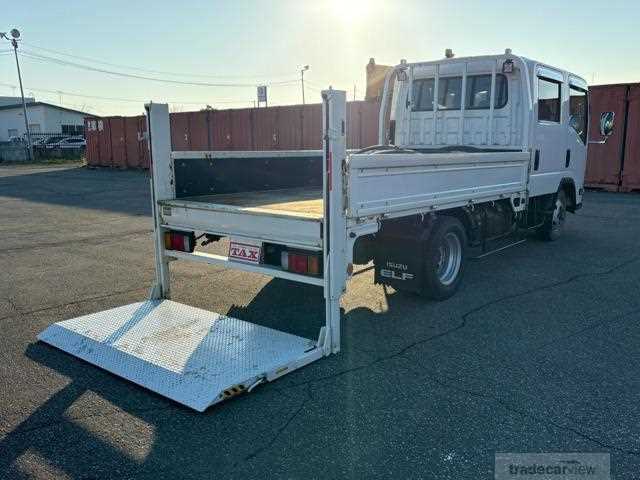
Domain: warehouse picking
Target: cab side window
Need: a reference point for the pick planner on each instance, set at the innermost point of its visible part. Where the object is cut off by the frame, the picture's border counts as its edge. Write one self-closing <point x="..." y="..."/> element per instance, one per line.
<point x="548" y="100"/>
<point x="479" y="92"/>
<point x="422" y="95"/>
<point x="450" y="93"/>
<point x="578" y="112"/>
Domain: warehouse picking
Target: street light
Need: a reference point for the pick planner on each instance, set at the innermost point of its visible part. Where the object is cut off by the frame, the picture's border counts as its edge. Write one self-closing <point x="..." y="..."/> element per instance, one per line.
<point x="304" y="69"/>
<point x="15" y="35"/>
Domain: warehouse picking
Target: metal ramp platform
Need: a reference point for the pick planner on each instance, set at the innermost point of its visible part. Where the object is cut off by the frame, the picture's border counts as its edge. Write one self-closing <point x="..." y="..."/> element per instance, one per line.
<point x="187" y="354"/>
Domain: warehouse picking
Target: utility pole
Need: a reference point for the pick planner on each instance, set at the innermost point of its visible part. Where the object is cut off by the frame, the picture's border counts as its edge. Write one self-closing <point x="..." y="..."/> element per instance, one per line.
<point x="304" y="69"/>
<point x="15" y="34"/>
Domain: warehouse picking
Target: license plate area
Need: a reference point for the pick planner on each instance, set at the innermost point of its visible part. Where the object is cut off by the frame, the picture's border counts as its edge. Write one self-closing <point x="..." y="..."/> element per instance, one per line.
<point x="244" y="251"/>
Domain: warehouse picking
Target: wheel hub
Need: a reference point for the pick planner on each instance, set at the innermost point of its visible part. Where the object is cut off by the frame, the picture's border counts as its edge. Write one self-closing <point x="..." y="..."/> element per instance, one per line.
<point x="559" y="214"/>
<point x="450" y="259"/>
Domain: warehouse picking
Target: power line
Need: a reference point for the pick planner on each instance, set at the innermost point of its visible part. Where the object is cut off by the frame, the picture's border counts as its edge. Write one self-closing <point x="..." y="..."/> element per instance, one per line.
<point x="43" y="58"/>
<point x="131" y="100"/>
<point x="139" y="69"/>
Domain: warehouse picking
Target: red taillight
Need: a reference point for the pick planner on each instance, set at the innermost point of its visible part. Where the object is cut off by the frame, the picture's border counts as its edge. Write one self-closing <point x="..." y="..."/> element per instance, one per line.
<point x="303" y="263"/>
<point x="181" y="241"/>
<point x="297" y="263"/>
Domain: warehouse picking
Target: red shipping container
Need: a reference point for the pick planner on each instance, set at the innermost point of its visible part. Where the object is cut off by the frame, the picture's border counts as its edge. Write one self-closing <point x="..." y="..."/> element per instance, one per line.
<point x="220" y="128"/>
<point x="120" y="141"/>
<point x="604" y="161"/>
<point x="289" y="128"/>
<point x="118" y="150"/>
<point x="180" y="131"/>
<point x="199" y="138"/>
<point x="134" y="142"/>
<point x="312" y="127"/>
<point x="142" y="142"/>
<point x="92" y="152"/>
<point x="240" y="129"/>
<point x="104" y="143"/>
<point x="369" y="123"/>
<point x="631" y="166"/>
<point x="265" y="129"/>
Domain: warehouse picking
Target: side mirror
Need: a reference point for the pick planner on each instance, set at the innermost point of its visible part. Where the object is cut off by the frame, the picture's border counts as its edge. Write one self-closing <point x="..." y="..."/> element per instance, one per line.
<point x="606" y="127"/>
<point x="573" y="123"/>
<point x="606" y="123"/>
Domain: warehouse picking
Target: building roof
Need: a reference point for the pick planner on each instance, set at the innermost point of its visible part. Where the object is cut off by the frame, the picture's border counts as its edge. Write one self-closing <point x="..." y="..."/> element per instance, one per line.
<point x="45" y="104"/>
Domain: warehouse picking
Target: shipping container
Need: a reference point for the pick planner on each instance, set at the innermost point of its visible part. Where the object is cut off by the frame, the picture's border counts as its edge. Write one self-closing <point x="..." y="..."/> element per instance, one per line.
<point x="199" y="138"/>
<point x="604" y="161"/>
<point x="180" y="131"/>
<point x="220" y="130"/>
<point x="135" y="144"/>
<point x="362" y="120"/>
<point x="104" y="141"/>
<point x="311" y="126"/>
<point x="92" y="153"/>
<point x="120" y="141"/>
<point x="265" y="133"/>
<point x="631" y="165"/>
<point x="142" y="142"/>
<point x="288" y="127"/>
<point x="240" y="129"/>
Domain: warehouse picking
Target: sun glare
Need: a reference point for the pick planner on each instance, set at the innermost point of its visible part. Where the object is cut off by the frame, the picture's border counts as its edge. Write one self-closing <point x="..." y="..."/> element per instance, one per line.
<point x="352" y="10"/>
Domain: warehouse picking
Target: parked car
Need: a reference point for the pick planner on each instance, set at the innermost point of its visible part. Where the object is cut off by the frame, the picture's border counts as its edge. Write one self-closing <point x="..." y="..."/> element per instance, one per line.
<point x="70" y="142"/>
<point x="52" y="142"/>
<point x="17" y="140"/>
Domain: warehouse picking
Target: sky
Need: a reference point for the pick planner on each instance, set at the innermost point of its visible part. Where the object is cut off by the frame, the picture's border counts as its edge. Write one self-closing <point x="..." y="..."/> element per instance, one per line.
<point x="236" y="45"/>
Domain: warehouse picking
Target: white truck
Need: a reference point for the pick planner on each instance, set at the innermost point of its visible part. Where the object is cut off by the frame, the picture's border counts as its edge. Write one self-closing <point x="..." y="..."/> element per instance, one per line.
<point x="471" y="150"/>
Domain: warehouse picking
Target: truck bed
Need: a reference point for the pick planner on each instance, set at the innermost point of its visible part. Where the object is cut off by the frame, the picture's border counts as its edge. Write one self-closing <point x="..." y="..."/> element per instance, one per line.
<point x="305" y="202"/>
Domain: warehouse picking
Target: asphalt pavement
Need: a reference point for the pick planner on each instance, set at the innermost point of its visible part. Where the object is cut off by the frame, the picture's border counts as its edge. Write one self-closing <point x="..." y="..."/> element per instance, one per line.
<point x="538" y="352"/>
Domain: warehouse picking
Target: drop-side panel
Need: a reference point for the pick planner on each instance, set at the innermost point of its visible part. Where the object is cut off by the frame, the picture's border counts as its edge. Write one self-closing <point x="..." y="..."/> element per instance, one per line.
<point x="288" y="228"/>
<point x="187" y="354"/>
<point x="397" y="183"/>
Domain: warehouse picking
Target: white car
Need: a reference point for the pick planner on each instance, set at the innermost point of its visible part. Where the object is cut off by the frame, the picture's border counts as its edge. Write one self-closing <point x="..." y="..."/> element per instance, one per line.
<point x="70" y="142"/>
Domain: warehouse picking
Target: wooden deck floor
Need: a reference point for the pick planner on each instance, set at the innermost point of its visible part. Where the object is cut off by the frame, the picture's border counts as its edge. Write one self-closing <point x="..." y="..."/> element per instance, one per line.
<point x="301" y="201"/>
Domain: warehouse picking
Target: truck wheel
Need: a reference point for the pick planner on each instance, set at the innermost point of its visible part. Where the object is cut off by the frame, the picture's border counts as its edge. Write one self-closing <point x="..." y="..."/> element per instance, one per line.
<point x="444" y="259"/>
<point x="554" y="222"/>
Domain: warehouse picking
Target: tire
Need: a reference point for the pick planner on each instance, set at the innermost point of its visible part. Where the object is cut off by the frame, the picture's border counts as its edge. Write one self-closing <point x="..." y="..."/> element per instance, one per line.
<point x="555" y="221"/>
<point x="444" y="258"/>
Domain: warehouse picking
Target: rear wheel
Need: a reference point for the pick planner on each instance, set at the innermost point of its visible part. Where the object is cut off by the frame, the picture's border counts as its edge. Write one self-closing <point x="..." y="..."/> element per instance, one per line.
<point x="554" y="222"/>
<point x="444" y="260"/>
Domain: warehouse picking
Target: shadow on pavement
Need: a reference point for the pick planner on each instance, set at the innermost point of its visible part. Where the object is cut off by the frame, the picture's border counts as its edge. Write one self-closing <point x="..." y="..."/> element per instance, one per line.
<point x="185" y="444"/>
<point x="79" y="187"/>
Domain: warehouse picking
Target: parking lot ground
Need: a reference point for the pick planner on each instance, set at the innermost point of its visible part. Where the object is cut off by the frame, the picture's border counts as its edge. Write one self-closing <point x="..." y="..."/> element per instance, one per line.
<point x="538" y="352"/>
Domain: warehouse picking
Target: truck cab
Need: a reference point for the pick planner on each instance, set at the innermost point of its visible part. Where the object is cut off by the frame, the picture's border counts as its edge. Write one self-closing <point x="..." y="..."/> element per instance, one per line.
<point x="494" y="103"/>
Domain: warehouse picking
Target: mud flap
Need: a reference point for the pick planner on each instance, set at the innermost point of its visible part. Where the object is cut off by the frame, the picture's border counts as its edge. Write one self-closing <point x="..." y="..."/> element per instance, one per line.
<point x="400" y="264"/>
